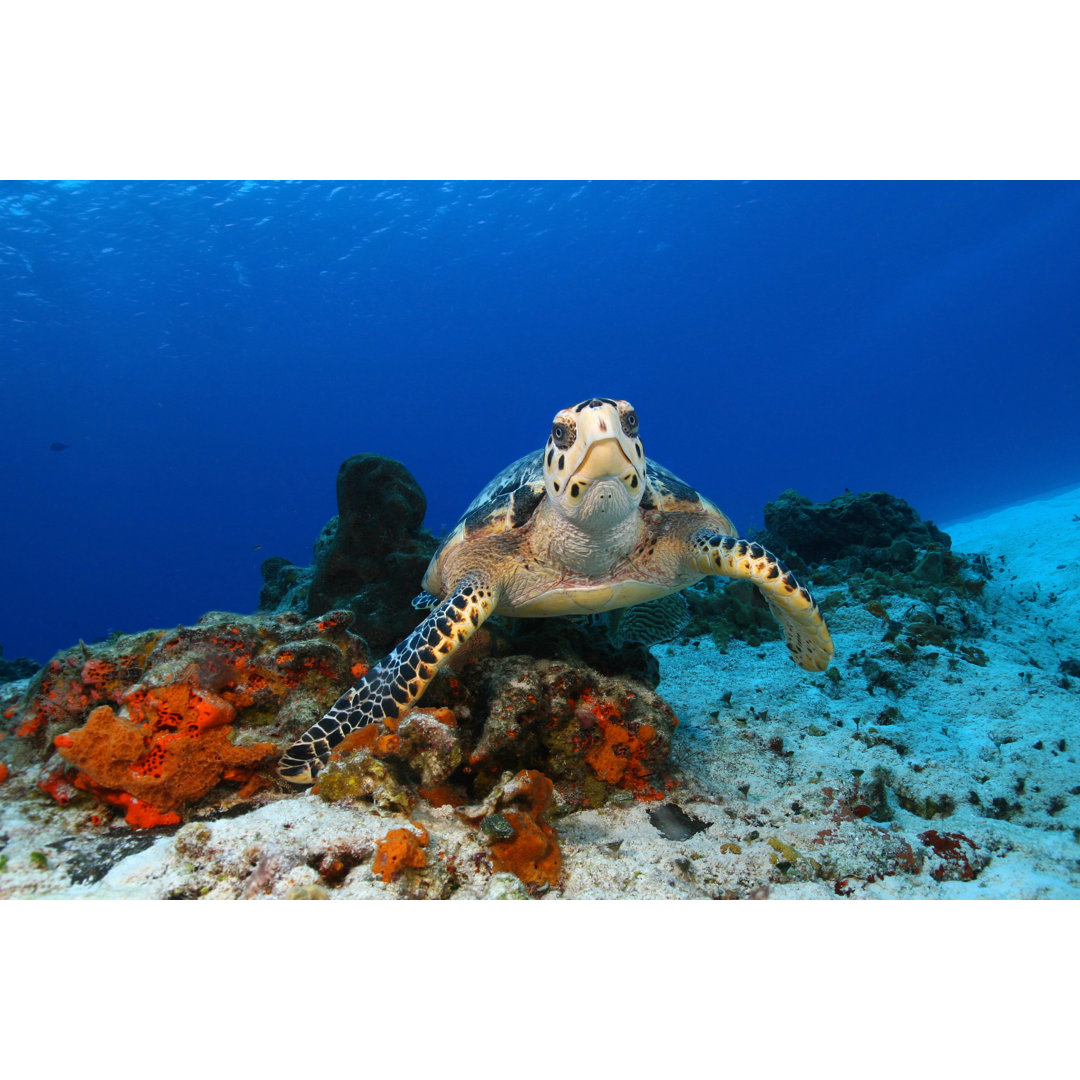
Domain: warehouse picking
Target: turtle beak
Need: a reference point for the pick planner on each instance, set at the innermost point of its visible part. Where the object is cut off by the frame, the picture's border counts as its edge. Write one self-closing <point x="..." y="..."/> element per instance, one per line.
<point x="603" y="459"/>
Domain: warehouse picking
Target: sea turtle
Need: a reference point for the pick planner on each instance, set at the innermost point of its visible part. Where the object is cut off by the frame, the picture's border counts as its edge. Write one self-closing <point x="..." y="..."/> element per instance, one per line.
<point x="586" y="524"/>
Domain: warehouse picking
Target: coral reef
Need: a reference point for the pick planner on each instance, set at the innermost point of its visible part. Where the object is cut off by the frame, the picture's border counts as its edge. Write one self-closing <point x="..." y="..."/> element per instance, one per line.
<point x="956" y="853"/>
<point x="872" y="526"/>
<point x="170" y="750"/>
<point x="591" y="734"/>
<point x="73" y="682"/>
<point x="500" y="722"/>
<point x="873" y="542"/>
<point x="20" y="668"/>
<point x="354" y="773"/>
<point x="727" y="612"/>
<point x="573" y="639"/>
<point x="369" y="559"/>
<point x="511" y="820"/>
<point x="145" y="721"/>
<point x="935" y="758"/>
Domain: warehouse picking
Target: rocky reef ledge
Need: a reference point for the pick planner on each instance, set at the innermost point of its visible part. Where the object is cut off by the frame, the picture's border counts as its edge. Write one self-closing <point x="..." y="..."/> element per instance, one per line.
<point x="935" y="758"/>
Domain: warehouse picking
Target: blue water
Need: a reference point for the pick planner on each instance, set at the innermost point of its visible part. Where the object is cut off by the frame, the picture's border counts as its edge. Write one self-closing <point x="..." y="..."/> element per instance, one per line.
<point x="208" y="353"/>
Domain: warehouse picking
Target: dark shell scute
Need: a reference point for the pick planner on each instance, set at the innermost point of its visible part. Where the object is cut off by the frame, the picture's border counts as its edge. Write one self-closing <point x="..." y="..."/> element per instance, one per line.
<point x="523" y="502"/>
<point x="484" y="517"/>
<point x="527" y="471"/>
<point x="668" y="487"/>
<point x="509" y="500"/>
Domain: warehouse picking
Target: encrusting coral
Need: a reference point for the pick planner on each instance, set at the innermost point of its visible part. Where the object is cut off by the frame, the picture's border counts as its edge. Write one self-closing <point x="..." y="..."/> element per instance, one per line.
<point x="591" y="734"/>
<point x="510" y="732"/>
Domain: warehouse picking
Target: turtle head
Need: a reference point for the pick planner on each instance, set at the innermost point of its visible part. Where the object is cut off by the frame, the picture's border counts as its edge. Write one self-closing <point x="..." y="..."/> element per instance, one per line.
<point x="594" y="464"/>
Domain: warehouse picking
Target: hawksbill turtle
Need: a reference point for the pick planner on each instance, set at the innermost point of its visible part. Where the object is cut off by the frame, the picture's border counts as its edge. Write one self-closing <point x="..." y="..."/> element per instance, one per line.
<point x="587" y="524"/>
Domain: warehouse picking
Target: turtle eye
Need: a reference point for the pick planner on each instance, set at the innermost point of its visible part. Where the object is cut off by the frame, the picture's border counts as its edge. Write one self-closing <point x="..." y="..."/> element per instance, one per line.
<point x="630" y="423"/>
<point x="563" y="433"/>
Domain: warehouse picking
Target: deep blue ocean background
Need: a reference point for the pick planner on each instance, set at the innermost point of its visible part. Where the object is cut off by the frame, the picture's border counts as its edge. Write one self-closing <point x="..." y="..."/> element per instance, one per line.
<point x="208" y="353"/>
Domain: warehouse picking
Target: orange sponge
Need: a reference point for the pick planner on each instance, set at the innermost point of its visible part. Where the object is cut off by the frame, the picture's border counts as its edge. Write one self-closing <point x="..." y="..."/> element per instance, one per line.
<point x="174" y="748"/>
<point x="398" y="849"/>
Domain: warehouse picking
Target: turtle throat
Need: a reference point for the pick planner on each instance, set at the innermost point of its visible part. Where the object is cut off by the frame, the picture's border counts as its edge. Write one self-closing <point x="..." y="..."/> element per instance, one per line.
<point x="596" y="523"/>
<point x="606" y="503"/>
<point x="600" y="531"/>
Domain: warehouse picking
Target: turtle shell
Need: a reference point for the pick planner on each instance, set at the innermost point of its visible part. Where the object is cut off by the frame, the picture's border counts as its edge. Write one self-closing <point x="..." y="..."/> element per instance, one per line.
<point x="509" y="501"/>
<point x="665" y="491"/>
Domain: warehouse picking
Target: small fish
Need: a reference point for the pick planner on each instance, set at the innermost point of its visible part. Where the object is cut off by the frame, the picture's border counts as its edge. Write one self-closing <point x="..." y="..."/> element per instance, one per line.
<point x="59" y="446"/>
<point x="256" y="547"/>
<point x="674" y="823"/>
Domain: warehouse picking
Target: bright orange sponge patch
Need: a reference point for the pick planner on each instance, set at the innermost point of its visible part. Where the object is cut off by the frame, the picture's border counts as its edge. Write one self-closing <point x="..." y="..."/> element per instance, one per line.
<point x="533" y="854"/>
<point x="174" y="748"/>
<point x="399" y="849"/>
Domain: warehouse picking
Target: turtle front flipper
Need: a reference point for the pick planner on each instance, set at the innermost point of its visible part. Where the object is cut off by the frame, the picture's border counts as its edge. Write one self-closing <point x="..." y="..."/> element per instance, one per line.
<point x="395" y="682"/>
<point x="807" y="635"/>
